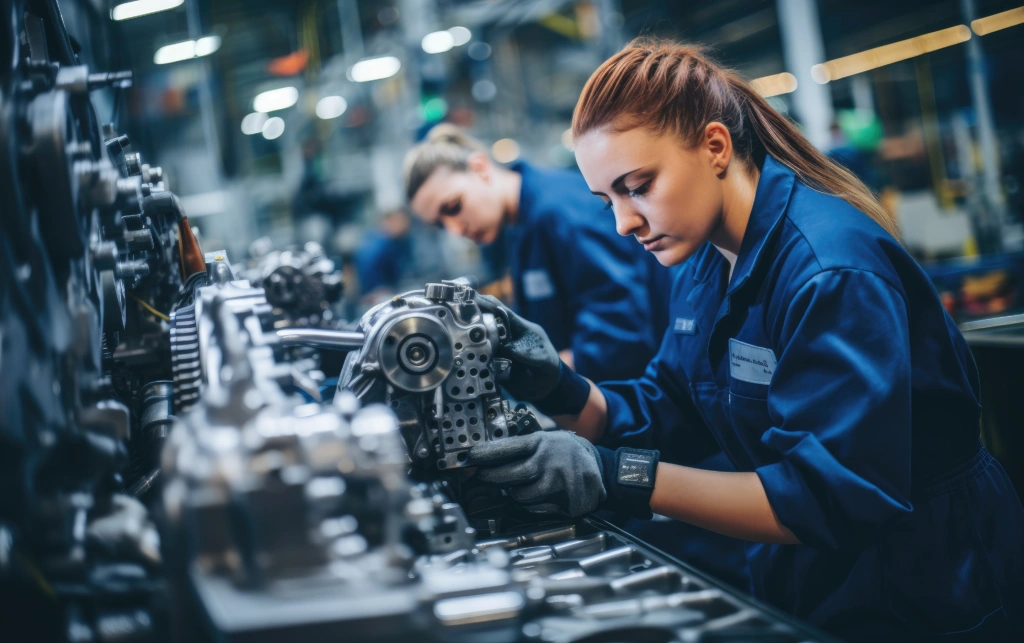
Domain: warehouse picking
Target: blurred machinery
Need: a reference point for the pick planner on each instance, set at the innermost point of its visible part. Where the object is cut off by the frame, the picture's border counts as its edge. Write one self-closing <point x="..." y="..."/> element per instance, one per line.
<point x="174" y="466"/>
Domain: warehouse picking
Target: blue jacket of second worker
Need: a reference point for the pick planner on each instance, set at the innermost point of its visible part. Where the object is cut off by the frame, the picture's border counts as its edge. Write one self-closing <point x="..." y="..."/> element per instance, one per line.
<point x="593" y="291"/>
<point x="828" y="366"/>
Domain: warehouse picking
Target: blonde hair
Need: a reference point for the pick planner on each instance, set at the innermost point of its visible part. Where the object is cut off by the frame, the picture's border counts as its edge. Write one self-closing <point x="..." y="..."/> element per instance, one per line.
<point x="445" y="146"/>
<point x="665" y="86"/>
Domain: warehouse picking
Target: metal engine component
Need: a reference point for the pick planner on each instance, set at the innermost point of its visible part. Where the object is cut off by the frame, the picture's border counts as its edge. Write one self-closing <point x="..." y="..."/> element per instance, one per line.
<point x="430" y="355"/>
<point x="277" y="507"/>
<point x="302" y="283"/>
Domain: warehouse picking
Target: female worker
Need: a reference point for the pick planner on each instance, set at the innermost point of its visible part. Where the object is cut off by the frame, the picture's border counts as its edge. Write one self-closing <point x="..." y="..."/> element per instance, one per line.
<point x="600" y="298"/>
<point x="806" y="343"/>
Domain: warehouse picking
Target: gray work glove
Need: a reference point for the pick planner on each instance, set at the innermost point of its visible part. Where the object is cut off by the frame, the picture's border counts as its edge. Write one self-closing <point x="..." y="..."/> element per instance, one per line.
<point x="537" y="374"/>
<point x="547" y="472"/>
<point x="535" y="362"/>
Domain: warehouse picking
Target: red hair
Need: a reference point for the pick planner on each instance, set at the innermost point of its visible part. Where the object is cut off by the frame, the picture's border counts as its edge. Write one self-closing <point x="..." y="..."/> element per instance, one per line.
<point x="668" y="87"/>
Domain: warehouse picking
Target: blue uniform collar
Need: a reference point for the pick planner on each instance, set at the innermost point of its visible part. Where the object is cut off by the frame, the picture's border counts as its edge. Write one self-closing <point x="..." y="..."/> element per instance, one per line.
<point x="527" y="195"/>
<point x="774" y="188"/>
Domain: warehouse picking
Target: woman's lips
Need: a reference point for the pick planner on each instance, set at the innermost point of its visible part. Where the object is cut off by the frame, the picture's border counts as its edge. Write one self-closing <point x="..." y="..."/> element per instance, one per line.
<point x="650" y="245"/>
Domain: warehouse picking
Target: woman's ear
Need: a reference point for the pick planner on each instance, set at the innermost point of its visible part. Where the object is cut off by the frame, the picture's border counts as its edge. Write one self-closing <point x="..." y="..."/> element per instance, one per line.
<point x="479" y="164"/>
<point x="718" y="146"/>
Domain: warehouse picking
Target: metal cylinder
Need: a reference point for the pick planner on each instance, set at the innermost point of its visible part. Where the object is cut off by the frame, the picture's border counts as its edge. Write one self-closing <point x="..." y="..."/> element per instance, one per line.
<point x="321" y="338"/>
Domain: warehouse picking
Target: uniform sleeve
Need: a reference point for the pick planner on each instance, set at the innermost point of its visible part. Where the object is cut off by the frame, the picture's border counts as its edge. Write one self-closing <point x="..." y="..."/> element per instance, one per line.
<point x="614" y="331"/>
<point x="657" y="411"/>
<point x="840" y="401"/>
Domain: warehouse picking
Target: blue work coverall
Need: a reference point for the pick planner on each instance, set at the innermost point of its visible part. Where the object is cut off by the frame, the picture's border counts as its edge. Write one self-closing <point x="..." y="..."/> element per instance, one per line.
<point x="828" y="366"/>
<point x="606" y="298"/>
<point x="592" y="290"/>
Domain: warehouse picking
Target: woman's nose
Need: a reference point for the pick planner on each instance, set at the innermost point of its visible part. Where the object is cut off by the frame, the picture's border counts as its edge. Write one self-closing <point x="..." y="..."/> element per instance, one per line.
<point x="454" y="226"/>
<point x="627" y="220"/>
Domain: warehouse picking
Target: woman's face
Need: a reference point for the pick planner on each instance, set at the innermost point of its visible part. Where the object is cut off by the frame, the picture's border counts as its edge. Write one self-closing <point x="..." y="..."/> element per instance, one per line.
<point x="464" y="202"/>
<point x="667" y="196"/>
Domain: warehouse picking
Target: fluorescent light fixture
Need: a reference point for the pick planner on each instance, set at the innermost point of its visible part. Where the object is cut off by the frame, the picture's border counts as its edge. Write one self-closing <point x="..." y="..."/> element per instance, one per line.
<point x="775" y="84"/>
<point x="273" y="128"/>
<point x="374" y="69"/>
<point x="253" y="123"/>
<point x="186" y="50"/>
<point x="460" y="35"/>
<point x="889" y="54"/>
<point x="505" y="151"/>
<point x="330" y="107"/>
<point x="275" y="99"/>
<point x="175" y="53"/>
<point x="207" y="45"/>
<point x="997" y="21"/>
<point x="437" y="42"/>
<point x="130" y="10"/>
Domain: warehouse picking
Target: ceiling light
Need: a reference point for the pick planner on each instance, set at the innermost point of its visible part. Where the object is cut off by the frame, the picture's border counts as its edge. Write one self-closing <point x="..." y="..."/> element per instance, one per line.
<point x="374" y="69"/>
<point x="997" y="21"/>
<point x="330" y="107"/>
<point x="775" y="84"/>
<point x="505" y="151"/>
<point x="273" y="128"/>
<point x="130" y="10"/>
<point x="437" y="42"/>
<point x="253" y="123"/>
<point x="460" y="35"/>
<point x="207" y="45"/>
<point x="175" y="53"/>
<point x="889" y="54"/>
<point x="275" y="99"/>
<point x="186" y="50"/>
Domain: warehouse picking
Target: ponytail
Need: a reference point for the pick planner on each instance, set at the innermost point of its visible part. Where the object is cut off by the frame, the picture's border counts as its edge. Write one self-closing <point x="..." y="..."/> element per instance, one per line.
<point x="670" y="87"/>
<point x="445" y="146"/>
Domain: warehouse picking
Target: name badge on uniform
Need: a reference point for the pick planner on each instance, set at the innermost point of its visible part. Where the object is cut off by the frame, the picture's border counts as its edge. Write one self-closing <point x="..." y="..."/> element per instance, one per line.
<point x="537" y="285"/>
<point x="685" y="326"/>
<point x="749" y="363"/>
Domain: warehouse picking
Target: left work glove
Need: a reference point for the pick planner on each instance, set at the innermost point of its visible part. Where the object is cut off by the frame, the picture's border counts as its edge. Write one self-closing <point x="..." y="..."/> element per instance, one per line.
<point x="560" y="472"/>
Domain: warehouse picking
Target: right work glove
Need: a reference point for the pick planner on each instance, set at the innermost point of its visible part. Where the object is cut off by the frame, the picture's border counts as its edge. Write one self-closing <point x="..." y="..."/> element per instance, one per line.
<point x="537" y="374"/>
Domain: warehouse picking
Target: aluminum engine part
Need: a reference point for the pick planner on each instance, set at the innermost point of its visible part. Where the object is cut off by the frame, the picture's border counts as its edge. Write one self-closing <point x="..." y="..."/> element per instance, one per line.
<point x="430" y="355"/>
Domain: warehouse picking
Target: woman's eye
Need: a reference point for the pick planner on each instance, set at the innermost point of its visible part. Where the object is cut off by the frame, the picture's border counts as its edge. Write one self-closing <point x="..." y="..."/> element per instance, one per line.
<point x="608" y="205"/>
<point x="640" y="190"/>
<point x="451" y="209"/>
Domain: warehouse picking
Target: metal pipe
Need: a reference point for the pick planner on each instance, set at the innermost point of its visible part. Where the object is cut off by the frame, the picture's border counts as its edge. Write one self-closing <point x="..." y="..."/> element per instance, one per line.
<point x="337" y="340"/>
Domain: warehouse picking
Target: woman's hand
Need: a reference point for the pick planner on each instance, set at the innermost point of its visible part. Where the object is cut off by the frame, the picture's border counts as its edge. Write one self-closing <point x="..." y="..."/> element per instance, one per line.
<point x="535" y="362"/>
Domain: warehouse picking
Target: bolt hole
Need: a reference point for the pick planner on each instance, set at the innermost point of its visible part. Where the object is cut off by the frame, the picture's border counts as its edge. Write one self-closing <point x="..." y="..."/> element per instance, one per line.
<point x="458" y="346"/>
<point x="473" y="421"/>
<point x="441" y="464"/>
<point x="447" y="539"/>
<point x="471" y="405"/>
<point x="488" y="385"/>
<point x="485" y="373"/>
<point x="458" y="407"/>
<point x="460" y="374"/>
<point x="445" y="408"/>
<point x="449" y="440"/>
<point x="442" y="313"/>
<point x="476" y="436"/>
<point x="456" y="390"/>
<point x="447" y="424"/>
<point x="461" y="457"/>
<point x="463" y="438"/>
<point x="470" y="390"/>
<point x="498" y="433"/>
<point x="471" y="356"/>
<point x="473" y="372"/>
<point x="460" y="423"/>
<point x="483" y="358"/>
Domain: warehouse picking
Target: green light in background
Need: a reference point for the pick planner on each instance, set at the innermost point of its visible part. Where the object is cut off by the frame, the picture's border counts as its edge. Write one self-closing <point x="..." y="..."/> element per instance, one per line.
<point x="434" y="109"/>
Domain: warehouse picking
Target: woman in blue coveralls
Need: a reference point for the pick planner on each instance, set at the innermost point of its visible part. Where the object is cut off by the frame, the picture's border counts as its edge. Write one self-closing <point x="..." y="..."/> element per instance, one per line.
<point x="806" y="343"/>
<point x="600" y="298"/>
